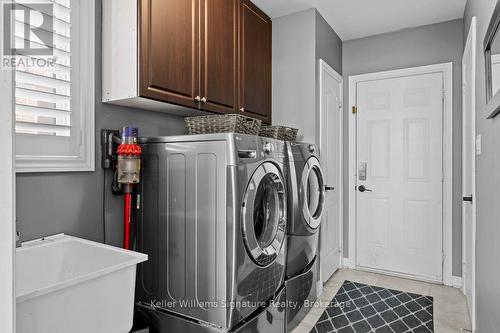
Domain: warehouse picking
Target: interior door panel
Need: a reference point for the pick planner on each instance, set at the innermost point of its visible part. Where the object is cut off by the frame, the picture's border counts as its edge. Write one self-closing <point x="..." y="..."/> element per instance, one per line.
<point x="399" y="138"/>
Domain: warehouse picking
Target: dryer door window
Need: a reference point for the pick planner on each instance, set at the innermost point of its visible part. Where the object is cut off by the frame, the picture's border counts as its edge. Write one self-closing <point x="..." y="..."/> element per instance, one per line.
<point x="313" y="192"/>
<point x="264" y="214"/>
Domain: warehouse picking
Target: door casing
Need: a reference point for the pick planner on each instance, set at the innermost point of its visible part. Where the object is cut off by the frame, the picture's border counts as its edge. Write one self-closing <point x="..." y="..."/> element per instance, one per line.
<point x="322" y="68"/>
<point x="447" y="70"/>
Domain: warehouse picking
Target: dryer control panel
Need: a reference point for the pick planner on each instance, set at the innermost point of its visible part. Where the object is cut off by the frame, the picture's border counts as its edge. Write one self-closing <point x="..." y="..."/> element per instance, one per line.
<point x="268" y="148"/>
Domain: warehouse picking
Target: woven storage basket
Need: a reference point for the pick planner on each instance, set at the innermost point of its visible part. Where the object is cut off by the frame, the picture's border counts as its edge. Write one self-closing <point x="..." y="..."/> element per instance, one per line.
<point x="279" y="132"/>
<point x="229" y="123"/>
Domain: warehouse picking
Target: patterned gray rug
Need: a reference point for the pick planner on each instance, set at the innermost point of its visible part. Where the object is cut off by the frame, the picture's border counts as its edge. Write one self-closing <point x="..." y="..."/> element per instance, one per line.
<point x="360" y="308"/>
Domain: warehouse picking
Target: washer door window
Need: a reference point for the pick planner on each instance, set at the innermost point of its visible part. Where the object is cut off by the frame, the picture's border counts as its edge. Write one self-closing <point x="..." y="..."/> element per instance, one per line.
<point x="264" y="214"/>
<point x="313" y="192"/>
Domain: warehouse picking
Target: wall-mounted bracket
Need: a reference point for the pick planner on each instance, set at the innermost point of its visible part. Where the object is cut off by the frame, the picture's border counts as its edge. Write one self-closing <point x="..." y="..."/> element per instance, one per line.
<point x="110" y="139"/>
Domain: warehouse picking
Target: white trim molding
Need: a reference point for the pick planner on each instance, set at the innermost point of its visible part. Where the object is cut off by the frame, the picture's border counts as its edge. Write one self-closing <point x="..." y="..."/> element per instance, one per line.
<point x="319" y="288"/>
<point x="348" y="263"/>
<point x="457" y="282"/>
<point x="7" y="205"/>
<point x="447" y="70"/>
<point x="84" y="105"/>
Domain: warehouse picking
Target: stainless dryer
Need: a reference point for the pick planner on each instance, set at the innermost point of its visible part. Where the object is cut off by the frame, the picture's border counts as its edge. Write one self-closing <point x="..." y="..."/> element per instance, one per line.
<point x="306" y="198"/>
<point x="213" y="221"/>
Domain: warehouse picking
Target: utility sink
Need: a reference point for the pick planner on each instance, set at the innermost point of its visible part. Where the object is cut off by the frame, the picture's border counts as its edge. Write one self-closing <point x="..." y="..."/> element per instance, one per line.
<point x="67" y="284"/>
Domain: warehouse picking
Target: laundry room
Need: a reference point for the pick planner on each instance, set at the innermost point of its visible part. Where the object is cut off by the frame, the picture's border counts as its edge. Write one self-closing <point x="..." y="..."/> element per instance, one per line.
<point x="249" y="166"/>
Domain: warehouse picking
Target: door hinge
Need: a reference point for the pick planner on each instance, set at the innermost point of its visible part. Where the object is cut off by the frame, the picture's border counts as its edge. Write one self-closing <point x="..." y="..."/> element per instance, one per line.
<point x="354" y="110"/>
<point x="443" y="94"/>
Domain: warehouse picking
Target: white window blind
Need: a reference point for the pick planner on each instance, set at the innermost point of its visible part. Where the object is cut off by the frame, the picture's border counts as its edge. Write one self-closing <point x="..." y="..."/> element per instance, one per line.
<point x="54" y="93"/>
<point x="43" y="94"/>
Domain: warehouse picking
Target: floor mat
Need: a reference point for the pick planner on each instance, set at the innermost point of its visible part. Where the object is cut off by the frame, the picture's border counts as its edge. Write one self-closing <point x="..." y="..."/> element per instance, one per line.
<point x="360" y="308"/>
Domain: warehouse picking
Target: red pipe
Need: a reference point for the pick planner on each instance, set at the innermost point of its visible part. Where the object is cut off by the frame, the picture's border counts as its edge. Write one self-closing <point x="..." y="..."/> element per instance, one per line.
<point x="127" y="221"/>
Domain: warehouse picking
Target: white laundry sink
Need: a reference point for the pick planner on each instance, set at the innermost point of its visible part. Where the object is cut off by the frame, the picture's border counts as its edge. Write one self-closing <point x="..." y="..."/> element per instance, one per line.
<point x="67" y="284"/>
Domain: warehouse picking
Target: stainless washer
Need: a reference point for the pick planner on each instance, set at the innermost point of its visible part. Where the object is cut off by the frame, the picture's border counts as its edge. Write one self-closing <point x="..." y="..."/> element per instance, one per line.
<point x="213" y="221"/>
<point x="307" y="198"/>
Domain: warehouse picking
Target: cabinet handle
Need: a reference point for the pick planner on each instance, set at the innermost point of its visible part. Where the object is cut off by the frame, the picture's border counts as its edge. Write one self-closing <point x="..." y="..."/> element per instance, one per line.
<point x="204" y="100"/>
<point x="197" y="98"/>
<point x="242" y="109"/>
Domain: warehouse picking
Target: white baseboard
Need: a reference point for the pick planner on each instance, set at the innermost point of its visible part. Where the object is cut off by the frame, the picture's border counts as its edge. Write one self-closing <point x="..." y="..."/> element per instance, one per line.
<point x="456" y="282"/>
<point x="348" y="263"/>
<point x="319" y="289"/>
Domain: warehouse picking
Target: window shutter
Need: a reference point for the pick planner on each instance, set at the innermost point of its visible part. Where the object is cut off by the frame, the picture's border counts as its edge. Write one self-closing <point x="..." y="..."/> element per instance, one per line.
<point x="43" y="93"/>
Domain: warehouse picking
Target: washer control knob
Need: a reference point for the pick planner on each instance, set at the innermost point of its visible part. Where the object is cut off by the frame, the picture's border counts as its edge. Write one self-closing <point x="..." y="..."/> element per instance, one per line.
<point x="268" y="148"/>
<point x="311" y="148"/>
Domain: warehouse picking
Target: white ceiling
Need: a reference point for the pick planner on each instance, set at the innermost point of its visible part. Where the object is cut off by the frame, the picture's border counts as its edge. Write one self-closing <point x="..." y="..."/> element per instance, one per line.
<point x="361" y="18"/>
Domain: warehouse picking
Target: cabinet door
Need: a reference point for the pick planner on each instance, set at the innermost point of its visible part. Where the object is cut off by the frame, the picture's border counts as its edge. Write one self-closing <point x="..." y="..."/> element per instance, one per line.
<point x="218" y="54"/>
<point x="169" y="51"/>
<point x="255" y="62"/>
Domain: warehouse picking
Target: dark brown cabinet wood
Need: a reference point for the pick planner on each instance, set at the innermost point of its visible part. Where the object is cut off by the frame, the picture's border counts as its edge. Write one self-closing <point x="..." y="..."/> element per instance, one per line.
<point x="255" y="67"/>
<point x="219" y="40"/>
<point x="169" y="51"/>
<point x="214" y="55"/>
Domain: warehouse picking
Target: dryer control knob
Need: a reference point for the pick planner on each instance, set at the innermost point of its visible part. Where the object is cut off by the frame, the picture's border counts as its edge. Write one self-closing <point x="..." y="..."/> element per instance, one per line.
<point x="311" y="148"/>
<point x="268" y="148"/>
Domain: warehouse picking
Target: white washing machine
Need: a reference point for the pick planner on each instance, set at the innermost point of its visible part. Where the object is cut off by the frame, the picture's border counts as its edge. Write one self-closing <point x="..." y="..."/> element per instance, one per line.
<point x="213" y="221"/>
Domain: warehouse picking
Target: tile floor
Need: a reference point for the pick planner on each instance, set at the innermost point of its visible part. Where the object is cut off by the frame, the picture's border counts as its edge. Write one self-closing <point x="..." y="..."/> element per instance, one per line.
<point x="450" y="308"/>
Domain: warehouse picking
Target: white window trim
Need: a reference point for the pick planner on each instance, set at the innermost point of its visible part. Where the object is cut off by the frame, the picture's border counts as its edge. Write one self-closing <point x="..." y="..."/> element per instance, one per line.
<point x="7" y="206"/>
<point x="85" y="161"/>
<point x="447" y="70"/>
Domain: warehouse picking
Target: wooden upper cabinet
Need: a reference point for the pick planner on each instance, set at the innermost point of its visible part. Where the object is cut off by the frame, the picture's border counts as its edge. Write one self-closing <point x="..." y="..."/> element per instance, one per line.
<point x="169" y="51"/>
<point x="255" y="62"/>
<point x="218" y="55"/>
<point x="213" y="55"/>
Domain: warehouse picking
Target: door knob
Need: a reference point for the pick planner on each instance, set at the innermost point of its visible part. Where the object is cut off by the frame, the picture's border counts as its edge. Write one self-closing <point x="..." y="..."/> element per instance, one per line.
<point x="204" y="100"/>
<point x="468" y="199"/>
<point x="197" y="98"/>
<point x="242" y="109"/>
<point x="362" y="188"/>
<point x="329" y="188"/>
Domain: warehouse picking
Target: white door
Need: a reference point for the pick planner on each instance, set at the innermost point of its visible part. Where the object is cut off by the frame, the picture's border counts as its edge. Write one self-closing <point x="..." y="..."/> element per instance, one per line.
<point x="330" y="149"/>
<point x="469" y="169"/>
<point x="400" y="175"/>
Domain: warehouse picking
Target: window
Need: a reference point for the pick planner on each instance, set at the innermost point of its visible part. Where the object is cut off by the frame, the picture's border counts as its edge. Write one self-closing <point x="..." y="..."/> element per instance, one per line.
<point x="54" y="88"/>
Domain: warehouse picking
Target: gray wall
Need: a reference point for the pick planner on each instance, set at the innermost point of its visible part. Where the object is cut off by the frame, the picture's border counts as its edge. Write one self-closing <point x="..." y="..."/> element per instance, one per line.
<point x="488" y="184"/>
<point x="73" y="202"/>
<point x="294" y="76"/>
<point x="432" y="44"/>
<point x="328" y="44"/>
<point x="299" y="40"/>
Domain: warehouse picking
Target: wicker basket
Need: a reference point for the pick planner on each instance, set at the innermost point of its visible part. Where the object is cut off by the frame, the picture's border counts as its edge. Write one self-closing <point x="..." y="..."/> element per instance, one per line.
<point x="229" y="123"/>
<point x="279" y="132"/>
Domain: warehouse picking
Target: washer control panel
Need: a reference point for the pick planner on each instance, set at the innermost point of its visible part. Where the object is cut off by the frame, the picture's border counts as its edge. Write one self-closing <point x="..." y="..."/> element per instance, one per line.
<point x="268" y="148"/>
